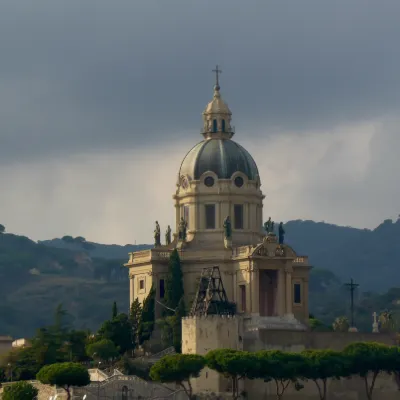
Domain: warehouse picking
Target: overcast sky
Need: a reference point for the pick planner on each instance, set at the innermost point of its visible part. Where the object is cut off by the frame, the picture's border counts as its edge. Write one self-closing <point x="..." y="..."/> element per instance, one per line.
<point x="100" y="100"/>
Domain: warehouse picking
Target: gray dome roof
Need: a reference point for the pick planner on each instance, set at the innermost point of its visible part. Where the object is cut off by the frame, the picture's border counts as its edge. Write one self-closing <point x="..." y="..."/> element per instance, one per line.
<point x="224" y="157"/>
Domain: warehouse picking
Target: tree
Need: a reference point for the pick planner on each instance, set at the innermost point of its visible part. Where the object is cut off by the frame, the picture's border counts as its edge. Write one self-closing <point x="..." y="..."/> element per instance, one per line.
<point x="146" y="324"/>
<point x="134" y="319"/>
<point x="104" y="349"/>
<point x="179" y="369"/>
<point x="20" y="391"/>
<point x="23" y="363"/>
<point x="370" y="359"/>
<point x="319" y="365"/>
<point x="2" y="229"/>
<point x="280" y="367"/>
<point x="177" y="326"/>
<point x="341" y="324"/>
<point x="233" y="364"/>
<point x="114" y="310"/>
<point x="67" y="239"/>
<point x="64" y="375"/>
<point x="119" y="331"/>
<point x="174" y="283"/>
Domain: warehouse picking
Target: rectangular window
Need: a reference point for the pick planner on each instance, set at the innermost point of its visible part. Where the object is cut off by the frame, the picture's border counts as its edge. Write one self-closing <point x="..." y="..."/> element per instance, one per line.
<point x="297" y="293"/>
<point x="210" y="216"/>
<point x="162" y="289"/>
<point x="238" y="216"/>
<point x="141" y="284"/>
<point x="186" y="214"/>
<point x="242" y="289"/>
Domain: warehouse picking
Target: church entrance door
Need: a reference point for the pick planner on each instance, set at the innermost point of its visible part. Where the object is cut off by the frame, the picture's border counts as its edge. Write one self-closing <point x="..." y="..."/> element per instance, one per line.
<point x="268" y="292"/>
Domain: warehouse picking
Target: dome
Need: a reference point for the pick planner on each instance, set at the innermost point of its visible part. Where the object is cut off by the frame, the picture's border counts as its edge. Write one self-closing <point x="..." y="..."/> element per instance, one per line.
<point x="224" y="157"/>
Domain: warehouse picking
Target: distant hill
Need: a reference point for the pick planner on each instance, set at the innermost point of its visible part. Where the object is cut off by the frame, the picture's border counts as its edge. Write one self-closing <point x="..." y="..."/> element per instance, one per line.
<point x="110" y="251"/>
<point x="371" y="257"/>
<point x="86" y="277"/>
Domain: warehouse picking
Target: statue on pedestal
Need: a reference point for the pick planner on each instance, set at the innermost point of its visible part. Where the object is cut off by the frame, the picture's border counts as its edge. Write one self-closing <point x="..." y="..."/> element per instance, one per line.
<point x="157" y="235"/>
<point x="182" y="230"/>
<point x="269" y="226"/>
<point x="281" y="233"/>
<point x="168" y="236"/>
<point x="228" y="228"/>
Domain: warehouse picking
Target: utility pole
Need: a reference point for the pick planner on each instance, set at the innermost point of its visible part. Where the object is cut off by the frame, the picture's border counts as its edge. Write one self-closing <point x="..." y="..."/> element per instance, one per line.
<point x="352" y="286"/>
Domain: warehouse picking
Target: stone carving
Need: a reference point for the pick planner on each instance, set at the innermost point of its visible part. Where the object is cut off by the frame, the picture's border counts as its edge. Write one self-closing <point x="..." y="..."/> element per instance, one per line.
<point x="375" y="325"/>
<point x="182" y="230"/>
<point x="281" y="233"/>
<point x="269" y="226"/>
<point x="262" y="251"/>
<point x="168" y="236"/>
<point x="228" y="228"/>
<point x="280" y="251"/>
<point x="157" y="235"/>
<point x="341" y="324"/>
<point x="386" y="322"/>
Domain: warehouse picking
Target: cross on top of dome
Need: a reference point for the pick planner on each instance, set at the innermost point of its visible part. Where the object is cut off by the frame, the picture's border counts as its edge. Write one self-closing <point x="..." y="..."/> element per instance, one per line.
<point x="217" y="115"/>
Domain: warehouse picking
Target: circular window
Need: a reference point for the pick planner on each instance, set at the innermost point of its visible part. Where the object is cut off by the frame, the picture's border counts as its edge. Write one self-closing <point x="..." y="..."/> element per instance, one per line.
<point x="209" y="181"/>
<point x="239" y="181"/>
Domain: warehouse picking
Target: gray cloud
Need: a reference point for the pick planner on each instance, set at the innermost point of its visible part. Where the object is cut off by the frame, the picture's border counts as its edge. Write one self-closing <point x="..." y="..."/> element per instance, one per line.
<point x="79" y="80"/>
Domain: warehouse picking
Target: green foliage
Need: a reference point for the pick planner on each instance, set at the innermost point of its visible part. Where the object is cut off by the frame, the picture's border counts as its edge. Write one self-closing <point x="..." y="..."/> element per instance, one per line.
<point x="281" y="367"/>
<point x="68" y="239"/>
<point x="2" y="229"/>
<point x="369" y="358"/>
<point x="147" y="320"/>
<point x="119" y="331"/>
<point x="138" y="367"/>
<point x="64" y="375"/>
<point x="23" y="363"/>
<point x="174" y="283"/>
<point x="179" y="369"/>
<point x="20" y="391"/>
<point x="135" y="316"/>
<point x="177" y="325"/>
<point x="341" y="324"/>
<point x="319" y="365"/>
<point x="114" y="310"/>
<point x="233" y="364"/>
<point x="103" y="349"/>
<point x="318" y="326"/>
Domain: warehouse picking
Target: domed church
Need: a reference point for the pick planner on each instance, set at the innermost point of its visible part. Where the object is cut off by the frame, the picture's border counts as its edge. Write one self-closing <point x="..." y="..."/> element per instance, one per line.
<point x="219" y="222"/>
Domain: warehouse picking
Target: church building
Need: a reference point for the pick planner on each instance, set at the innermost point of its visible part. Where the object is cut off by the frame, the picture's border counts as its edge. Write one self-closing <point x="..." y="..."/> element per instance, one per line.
<point x="219" y="222"/>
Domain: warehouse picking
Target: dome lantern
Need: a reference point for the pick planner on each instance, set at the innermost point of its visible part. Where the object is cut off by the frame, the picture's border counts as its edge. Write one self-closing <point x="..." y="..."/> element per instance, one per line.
<point x="217" y="115"/>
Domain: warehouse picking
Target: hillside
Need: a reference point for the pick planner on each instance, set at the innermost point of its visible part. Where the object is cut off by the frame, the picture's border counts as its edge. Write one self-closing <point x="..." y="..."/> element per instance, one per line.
<point x="34" y="278"/>
<point x="87" y="277"/>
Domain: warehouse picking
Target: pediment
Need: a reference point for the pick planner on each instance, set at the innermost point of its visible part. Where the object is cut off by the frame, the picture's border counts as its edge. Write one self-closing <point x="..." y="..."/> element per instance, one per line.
<point x="270" y="248"/>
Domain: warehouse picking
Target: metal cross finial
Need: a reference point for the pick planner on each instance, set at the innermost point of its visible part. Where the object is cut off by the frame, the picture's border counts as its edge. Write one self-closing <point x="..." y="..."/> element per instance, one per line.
<point x="217" y="72"/>
<point x="352" y="286"/>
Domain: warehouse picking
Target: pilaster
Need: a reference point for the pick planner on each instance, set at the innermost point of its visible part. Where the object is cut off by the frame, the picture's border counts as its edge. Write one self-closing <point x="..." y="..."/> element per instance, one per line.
<point x="254" y="288"/>
<point x="289" y="290"/>
<point x="281" y="297"/>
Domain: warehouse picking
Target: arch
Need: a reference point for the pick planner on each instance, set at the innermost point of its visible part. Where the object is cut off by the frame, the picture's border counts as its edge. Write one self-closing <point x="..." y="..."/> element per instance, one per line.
<point x="223" y="125"/>
<point x="124" y="393"/>
<point x="215" y="126"/>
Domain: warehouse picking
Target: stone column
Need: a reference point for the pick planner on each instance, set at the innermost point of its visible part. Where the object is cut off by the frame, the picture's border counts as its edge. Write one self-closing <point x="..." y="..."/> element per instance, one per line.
<point x="305" y="301"/>
<point x="289" y="289"/>
<point x="281" y="296"/>
<point x="255" y="289"/>
<point x="131" y="289"/>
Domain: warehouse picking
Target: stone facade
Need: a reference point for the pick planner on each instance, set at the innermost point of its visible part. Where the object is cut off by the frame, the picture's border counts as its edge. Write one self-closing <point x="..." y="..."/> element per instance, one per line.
<point x="219" y="179"/>
<point x="5" y="344"/>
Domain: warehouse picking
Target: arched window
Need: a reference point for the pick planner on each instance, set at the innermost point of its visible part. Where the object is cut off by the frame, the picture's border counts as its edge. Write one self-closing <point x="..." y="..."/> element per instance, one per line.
<point x="215" y="125"/>
<point x="124" y="393"/>
<point x="223" y="125"/>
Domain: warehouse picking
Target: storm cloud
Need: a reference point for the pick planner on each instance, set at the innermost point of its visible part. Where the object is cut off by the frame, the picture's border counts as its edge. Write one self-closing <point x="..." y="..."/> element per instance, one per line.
<point x="100" y="101"/>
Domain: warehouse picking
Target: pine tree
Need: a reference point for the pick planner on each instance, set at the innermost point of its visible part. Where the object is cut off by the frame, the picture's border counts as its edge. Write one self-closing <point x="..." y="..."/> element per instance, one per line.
<point x="146" y="324"/>
<point x="114" y="309"/>
<point x="134" y="318"/>
<point x="174" y="283"/>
